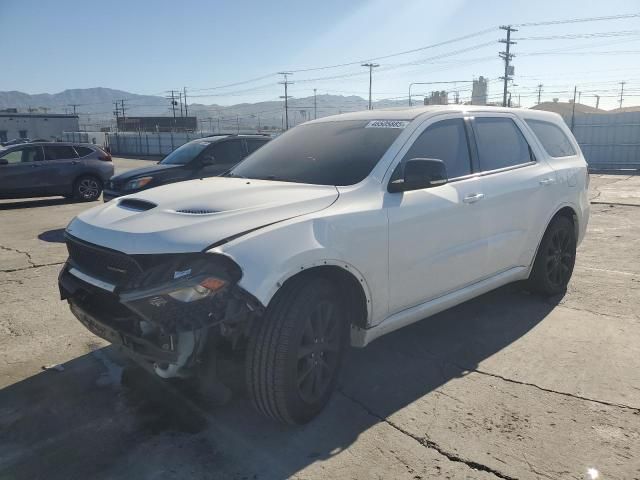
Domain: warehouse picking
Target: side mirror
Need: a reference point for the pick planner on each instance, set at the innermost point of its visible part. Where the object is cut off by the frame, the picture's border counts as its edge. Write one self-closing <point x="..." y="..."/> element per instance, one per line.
<point x="420" y="173"/>
<point x="207" y="160"/>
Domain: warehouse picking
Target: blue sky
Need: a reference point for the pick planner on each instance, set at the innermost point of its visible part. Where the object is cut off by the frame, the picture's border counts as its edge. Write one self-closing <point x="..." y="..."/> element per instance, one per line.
<point x="149" y="47"/>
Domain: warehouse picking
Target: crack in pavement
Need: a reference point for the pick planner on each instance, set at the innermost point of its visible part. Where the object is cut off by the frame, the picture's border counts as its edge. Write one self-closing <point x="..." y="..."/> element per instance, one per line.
<point x="427" y="442"/>
<point x="33" y="265"/>
<point x="15" y="250"/>
<point x="548" y="390"/>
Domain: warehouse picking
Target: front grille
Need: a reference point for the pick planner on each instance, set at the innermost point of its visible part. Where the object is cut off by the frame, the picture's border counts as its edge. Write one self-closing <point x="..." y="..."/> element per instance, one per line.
<point x="103" y="263"/>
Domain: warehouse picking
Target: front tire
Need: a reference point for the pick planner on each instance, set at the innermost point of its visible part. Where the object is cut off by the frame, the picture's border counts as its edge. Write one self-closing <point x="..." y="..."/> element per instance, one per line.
<point x="553" y="266"/>
<point x="296" y="349"/>
<point x="87" y="188"/>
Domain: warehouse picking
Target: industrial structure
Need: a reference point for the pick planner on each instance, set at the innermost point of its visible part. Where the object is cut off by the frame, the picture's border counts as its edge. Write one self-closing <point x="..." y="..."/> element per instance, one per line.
<point x="157" y="124"/>
<point x="479" y="91"/>
<point x="48" y="126"/>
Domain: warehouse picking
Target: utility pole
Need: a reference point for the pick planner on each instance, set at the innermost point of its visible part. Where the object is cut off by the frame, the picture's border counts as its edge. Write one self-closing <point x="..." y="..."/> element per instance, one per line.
<point x="539" y="92"/>
<point x="286" y="83"/>
<point x="371" y="66"/>
<point x="122" y="110"/>
<point x="209" y="119"/>
<point x="173" y="106"/>
<point x="573" y="109"/>
<point x="218" y="124"/>
<point x="456" y="97"/>
<point x="621" y="92"/>
<point x="180" y="100"/>
<point x="597" y="100"/>
<point x="186" y="111"/>
<point x="506" y="56"/>
<point x="315" y="104"/>
<point x="116" y="112"/>
<point x="74" y="105"/>
<point x="238" y="124"/>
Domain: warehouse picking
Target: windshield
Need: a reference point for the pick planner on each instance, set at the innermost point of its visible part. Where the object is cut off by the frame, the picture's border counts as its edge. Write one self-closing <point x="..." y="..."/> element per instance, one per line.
<point x="185" y="153"/>
<point x="328" y="153"/>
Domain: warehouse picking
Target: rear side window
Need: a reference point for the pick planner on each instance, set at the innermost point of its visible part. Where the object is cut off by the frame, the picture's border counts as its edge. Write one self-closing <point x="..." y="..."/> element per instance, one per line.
<point x="552" y="138"/>
<point x="59" y="152"/>
<point x="253" y="144"/>
<point x="83" y="151"/>
<point x="446" y="141"/>
<point x="500" y="143"/>
<point x="227" y="152"/>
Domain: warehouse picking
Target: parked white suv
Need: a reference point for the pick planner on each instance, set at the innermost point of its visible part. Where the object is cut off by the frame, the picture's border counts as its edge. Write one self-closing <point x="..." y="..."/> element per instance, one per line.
<point x="338" y="231"/>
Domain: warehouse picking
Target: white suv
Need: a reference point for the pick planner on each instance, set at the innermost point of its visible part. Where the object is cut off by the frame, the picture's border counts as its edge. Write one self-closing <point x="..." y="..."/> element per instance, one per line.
<point x="338" y="231"/>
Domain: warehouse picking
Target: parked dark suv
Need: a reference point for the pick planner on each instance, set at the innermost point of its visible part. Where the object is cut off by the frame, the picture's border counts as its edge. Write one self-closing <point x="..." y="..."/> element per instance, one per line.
<point x="204" y="157"/>
<point x="48" y="169"/>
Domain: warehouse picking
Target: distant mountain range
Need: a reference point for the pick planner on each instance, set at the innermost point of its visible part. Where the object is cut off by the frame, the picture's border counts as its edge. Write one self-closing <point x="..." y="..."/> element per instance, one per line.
<point x="95" y="106"/>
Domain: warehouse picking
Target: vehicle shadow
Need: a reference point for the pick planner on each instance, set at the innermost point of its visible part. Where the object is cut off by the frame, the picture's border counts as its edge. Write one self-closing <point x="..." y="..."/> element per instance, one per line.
<point x="52" y="236"/>
<point x="35" y="203"/>
<point x="83" y="423"/>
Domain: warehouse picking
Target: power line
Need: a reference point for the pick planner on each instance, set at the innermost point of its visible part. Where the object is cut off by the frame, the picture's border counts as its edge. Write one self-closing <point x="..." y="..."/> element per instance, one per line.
<point x="397" y="54"/>
<point x="579" y="20"/>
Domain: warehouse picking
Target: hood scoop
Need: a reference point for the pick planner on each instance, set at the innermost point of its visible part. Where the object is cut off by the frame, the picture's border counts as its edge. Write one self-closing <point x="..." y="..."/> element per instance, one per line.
<point x="136" y="204"/>
<point x="197" y="211"/>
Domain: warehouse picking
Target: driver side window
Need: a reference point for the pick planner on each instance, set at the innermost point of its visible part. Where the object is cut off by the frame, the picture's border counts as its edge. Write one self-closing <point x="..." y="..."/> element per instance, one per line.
<point x="447" y="141"/>
<point x="23" y="155"/>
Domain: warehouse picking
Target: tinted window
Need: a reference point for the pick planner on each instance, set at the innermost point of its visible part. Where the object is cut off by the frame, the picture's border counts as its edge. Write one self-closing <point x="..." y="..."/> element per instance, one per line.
<point x="500" y="143"/>
<point x="59" y="152"/>
<point x="254" y="143"/>
<point x="227" y="152"/>
<point x="326" y="153"/>
<point x="83" y="151"/>
<point x="184" y="154"/>
<point x="552" y="138"/>
<point x="446" y="141"/>
<point x="23" y="155"/>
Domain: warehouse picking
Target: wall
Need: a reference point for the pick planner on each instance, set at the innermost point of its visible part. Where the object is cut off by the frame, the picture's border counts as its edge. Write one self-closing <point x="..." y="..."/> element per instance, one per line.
<point x="37" y="126"/>
<point x="609" y="141"/>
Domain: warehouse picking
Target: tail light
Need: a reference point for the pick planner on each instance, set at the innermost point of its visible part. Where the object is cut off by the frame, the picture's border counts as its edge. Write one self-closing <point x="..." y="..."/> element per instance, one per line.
<point x="105" y="157"/>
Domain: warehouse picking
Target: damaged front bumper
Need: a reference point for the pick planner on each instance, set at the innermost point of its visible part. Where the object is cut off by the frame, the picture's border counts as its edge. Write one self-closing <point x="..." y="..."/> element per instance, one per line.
<point x="165" y="310"/>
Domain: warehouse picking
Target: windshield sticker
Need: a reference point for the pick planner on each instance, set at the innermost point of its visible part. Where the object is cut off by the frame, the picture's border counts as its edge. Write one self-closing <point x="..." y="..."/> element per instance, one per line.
<point x="387" y="124"/>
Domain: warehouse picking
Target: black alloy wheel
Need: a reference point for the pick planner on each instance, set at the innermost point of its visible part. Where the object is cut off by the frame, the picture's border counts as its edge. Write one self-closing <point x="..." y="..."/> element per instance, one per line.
<point x="295" y="350"/>
<point x="554" y="262"/>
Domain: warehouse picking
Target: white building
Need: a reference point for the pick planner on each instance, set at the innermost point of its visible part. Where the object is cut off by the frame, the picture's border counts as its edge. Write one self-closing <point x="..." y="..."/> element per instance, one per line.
<point x="36" y="125"/>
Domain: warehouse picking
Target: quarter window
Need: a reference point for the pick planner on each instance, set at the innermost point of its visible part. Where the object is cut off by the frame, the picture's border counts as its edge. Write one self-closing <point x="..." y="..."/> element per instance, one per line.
<point x="500" y="143"/>
<point x="552" y="138"/>
<point x="59" y="152"/>
<point x="446" y="141"/>
<point x="83" y="151"/>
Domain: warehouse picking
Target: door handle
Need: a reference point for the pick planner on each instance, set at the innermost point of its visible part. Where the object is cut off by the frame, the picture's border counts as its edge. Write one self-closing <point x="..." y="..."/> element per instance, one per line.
<point x="473" y="197"/>
<point x="547" y="181"/>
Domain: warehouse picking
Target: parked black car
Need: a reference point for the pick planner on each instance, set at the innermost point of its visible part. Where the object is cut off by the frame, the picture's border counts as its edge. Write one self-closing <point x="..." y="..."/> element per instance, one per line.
<point x="204" y="157"/>
<point x="73" y="170"/>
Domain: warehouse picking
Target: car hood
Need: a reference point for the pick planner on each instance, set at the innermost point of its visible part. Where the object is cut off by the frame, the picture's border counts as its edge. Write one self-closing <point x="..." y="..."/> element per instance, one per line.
<point x="139" y="172"/>
<point x="191" y="216"/>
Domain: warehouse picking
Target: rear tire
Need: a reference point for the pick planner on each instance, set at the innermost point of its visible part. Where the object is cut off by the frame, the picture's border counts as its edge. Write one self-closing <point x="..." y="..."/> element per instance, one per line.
<point x="295" y="350"/>
<point x="555" y="259"/>
<point x="87" y="188"/>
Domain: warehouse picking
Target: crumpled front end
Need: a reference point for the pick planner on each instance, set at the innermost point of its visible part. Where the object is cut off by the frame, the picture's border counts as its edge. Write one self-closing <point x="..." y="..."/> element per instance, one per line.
<point x="164" y="309"/>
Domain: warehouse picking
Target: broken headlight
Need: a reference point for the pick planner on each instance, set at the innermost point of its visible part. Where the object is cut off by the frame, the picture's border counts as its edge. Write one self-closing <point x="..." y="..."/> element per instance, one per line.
<point x="206" y="288"/>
